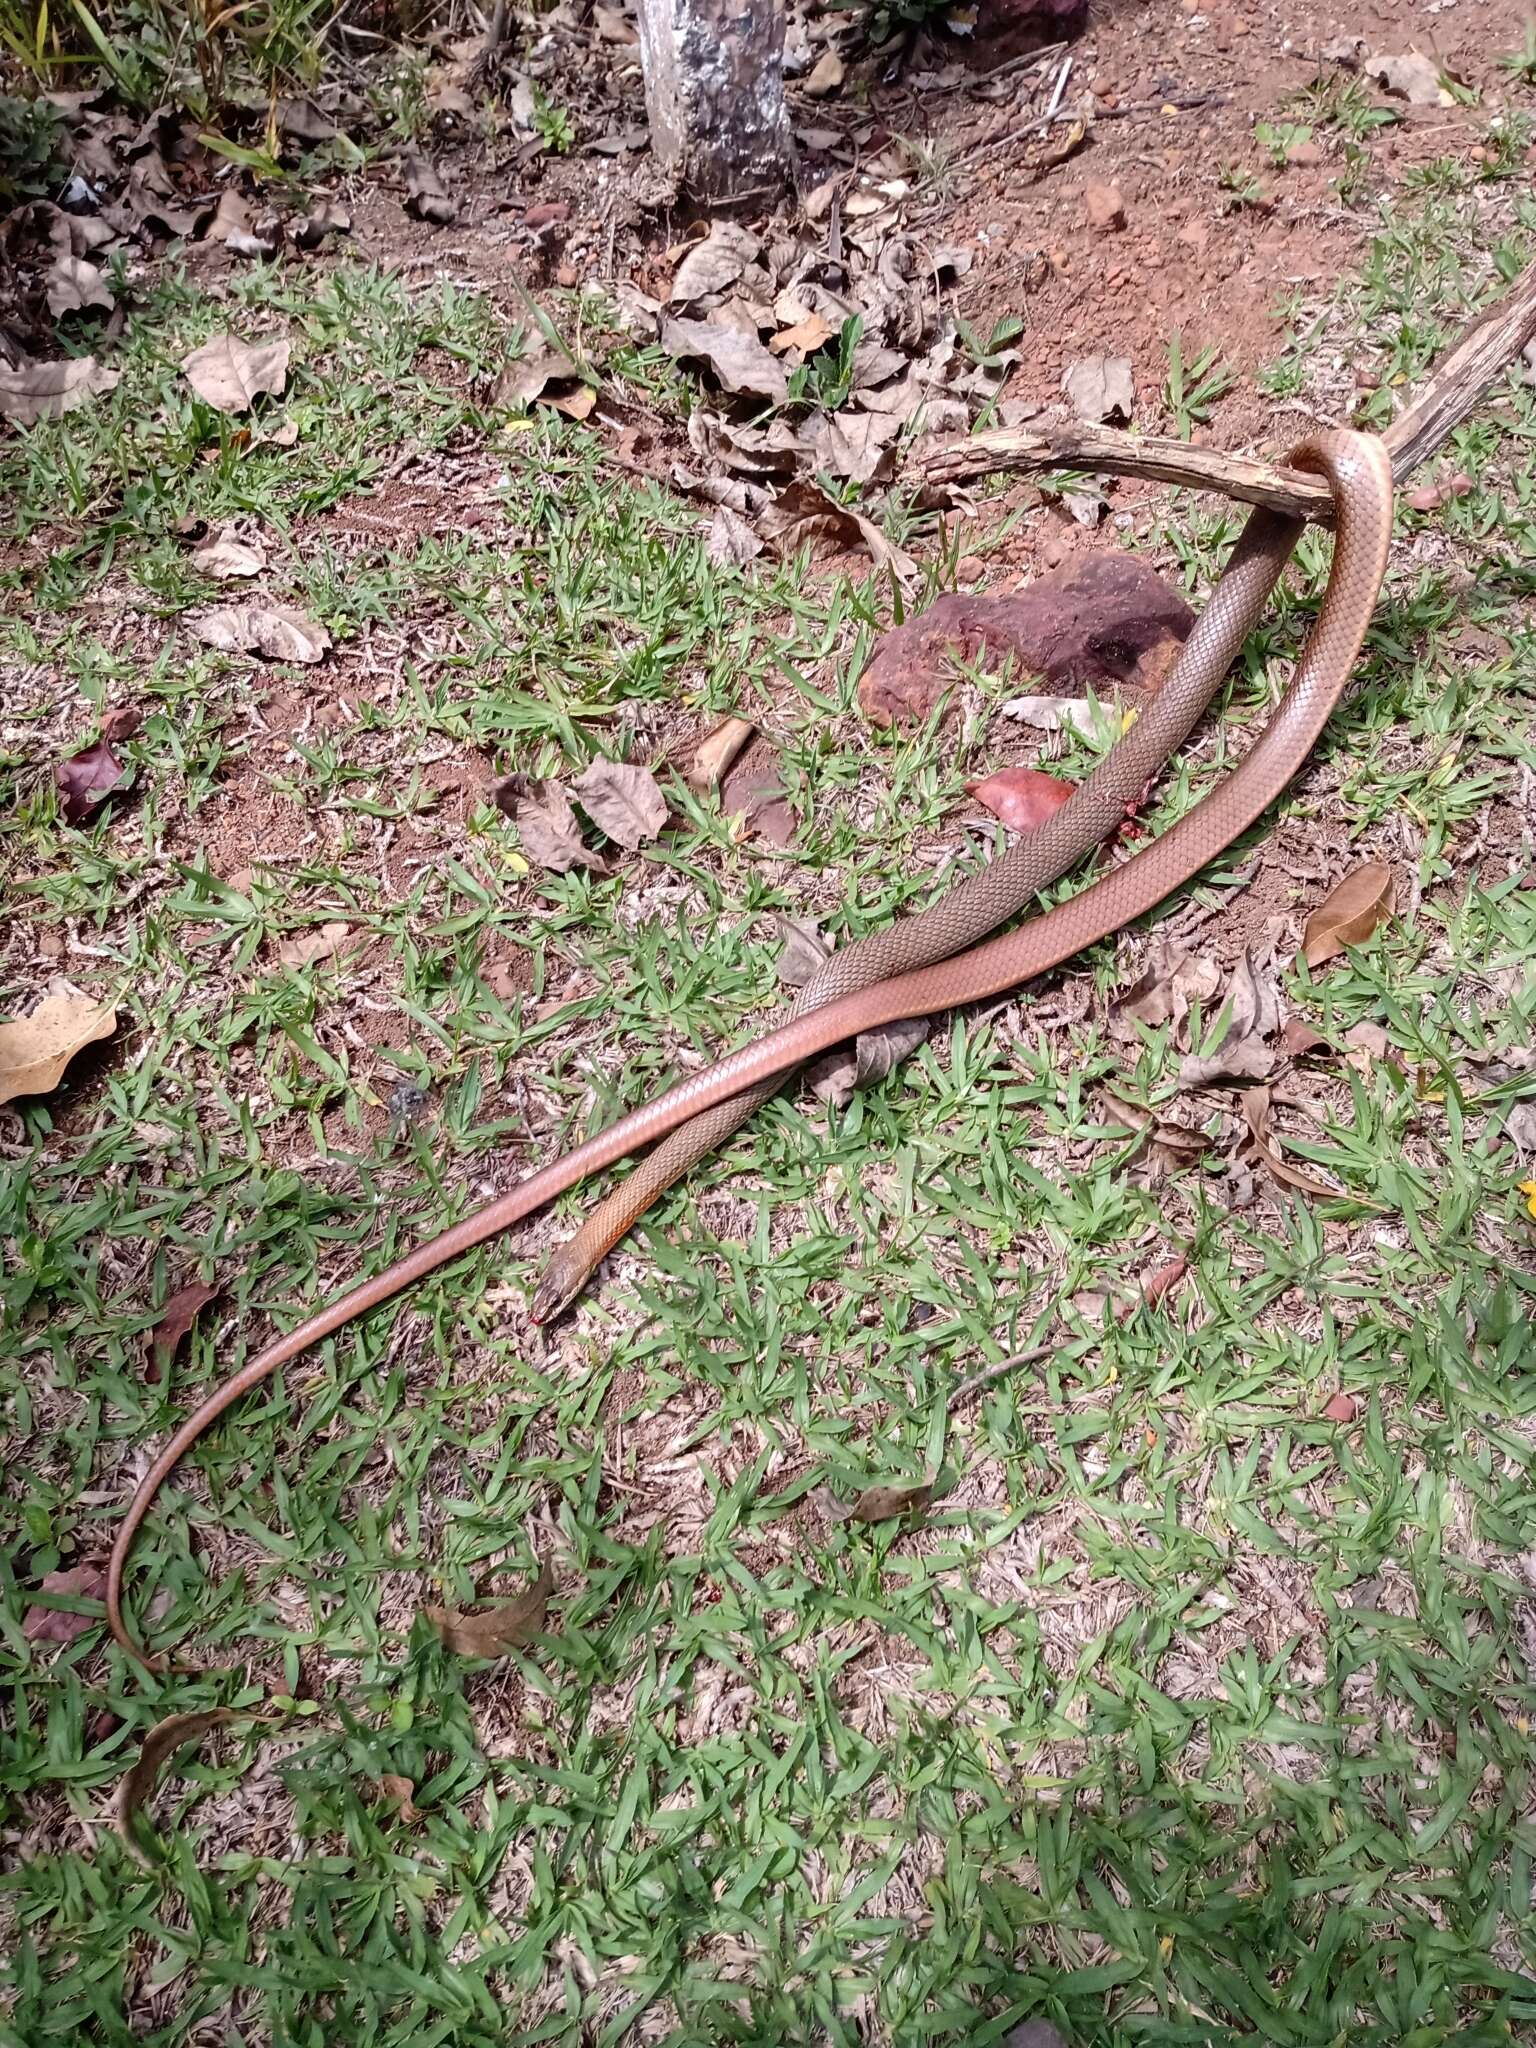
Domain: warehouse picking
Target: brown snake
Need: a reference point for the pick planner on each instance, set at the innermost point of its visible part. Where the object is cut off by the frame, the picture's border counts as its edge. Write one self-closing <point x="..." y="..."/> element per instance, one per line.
<point x="1359" y="470"/>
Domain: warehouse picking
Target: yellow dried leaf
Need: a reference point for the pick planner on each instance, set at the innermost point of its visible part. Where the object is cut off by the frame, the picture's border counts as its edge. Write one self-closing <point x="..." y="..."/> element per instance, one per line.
<point x="35" y="1049"/>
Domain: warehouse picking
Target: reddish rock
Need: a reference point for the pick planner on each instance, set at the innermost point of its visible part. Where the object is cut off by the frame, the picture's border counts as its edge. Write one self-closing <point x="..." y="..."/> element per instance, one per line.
<point x="1104" y="207"/>
<point x="1103" y="619"/>
<point x="550" y="214"/>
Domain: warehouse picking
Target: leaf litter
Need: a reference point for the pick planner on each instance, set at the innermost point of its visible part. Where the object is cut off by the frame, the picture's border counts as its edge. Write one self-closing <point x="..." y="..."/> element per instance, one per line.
<point x="36" y="1048"/>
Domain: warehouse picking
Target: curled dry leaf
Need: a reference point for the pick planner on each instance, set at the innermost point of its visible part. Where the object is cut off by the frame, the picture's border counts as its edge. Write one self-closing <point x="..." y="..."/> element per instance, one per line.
<point x="714" y="263"/>
<point x="1163" y="1280"/>
<point x="232" y="226"/>
<point x="59" y="1624"/>
<point x="176" y="1319"/>
<point x="732" y="542"/>
<point x="35" y="1049"/>
<point x="30" y="392"/>
<point x="1022" y="797"/>
<point x="275" y="630"/>
<point x="1349" y="913"/>
<point x="1164" y="993"/>
<point x="804" y="953"/>
<point x="739" y="360"/>
<point x="1256" y="1110"/>
<point x="224" y="555"/>
<point x="1242" y="1053"/>
<point x="807" y="335"/>
<point x="493" y="1631"/>
<point x="86" y="779"/>
<point x="1100" y="388"/>
<point x="803" y="511"/>
<point x="838" y="1075"/>
<point x="160" y="1745"/>
<point x="622" y="800"/>
<point x="426" y="195"/>
<point x="715" y="752"/>
<point x="314" y="947"/>
<point x="73" y="285"/>
<point x="230" y="374"/>
<point x="397" y="1792"/>
<point x="1298" y="1040"/>
<point x="875" y="1503"/>
<point x="1058" y="714"/>
<point x="545" y="823"/>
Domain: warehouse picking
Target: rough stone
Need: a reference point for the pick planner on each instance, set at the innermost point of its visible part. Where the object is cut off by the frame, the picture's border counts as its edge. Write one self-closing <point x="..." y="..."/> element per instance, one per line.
<point x="1103" y="620"/>
<point x="1104" y="207"/>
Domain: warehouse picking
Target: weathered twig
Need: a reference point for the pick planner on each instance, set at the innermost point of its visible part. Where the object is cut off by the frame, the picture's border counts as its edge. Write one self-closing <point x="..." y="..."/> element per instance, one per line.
<point x="1454" y="391"/>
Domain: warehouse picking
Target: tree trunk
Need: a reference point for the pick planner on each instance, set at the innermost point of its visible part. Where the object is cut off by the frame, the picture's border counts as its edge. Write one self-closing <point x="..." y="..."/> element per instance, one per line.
<point x="714" y="90"/>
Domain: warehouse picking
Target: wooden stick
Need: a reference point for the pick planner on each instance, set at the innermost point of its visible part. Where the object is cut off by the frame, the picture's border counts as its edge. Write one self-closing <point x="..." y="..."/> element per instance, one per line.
<point x="1454" y="391"/>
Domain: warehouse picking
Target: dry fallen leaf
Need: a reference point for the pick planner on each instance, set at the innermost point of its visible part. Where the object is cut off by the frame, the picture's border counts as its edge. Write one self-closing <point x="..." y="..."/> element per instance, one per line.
<point x="807" y="335"/>
<point x="426" y="195"/>
<point x="1341" y="1408"/>
<point x="803" y="511"/>
<point x="57" y="1624"/>
<point x="1412" y="77"/>
<point x="715" y="752"/>
<point x="1022" y="797"/>
<point x="1256" y="1109"/>
<point x="875" y="1503"/>
<point x="35" y="1049"/>
<point x="397" y="1793"/>
<point x="493" y="1631"/>
<point x="86" y="779"/>
<point x="1242" y="1053"/>
<point x="314" y="947"/>
<point x="1349" y="913"/>
<point x="804" y="953"/>
<point x="1367" y="1044"/>
<point x="73" y="284"/>
<point x="837" y="1076"/>
<point x="232" y="226"/>
<point x="275" y="630"/>
<point x="176" y="1319"/>
<point x="754" y="789"/>
<point x="42" y="391"/>
<point x="1298" y="1040"/>
<point x="1099" y="388"/>
<point x="1058" y="714"/>
<point x="224" y="555"/>
<point x="739" y="360"/>
<point x="1164" y="993"/>
<point x="826" y="75"/>
<point x="545" y="823"/>
<point x="622" y="800"/>
<point x="160" y="1744"/>
<point x="230" y="374"/>
<point x="714" y="263"/>
<point x="732" y="542"/>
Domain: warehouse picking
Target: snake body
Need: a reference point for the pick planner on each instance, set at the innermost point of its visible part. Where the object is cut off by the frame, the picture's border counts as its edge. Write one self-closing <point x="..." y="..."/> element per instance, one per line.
<point x="1359" y="469"/>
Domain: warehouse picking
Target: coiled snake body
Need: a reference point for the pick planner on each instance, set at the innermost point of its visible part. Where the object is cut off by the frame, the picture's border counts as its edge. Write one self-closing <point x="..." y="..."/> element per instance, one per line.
<point x="919" y="965"/>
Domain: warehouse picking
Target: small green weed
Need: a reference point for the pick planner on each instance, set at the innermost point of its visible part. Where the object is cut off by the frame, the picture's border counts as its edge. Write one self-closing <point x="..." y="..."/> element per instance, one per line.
<point x="1191" y="390"/>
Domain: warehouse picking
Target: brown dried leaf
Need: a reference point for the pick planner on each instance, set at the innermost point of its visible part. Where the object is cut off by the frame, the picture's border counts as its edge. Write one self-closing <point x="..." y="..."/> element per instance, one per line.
<point x="86" y="779"/>
<point x="225" y="555"/>
<point x="1367" y="1043"/>
<point x="160" y="1744"/>
<point x="42" y="391"/>
<point x="1164" y="993"/>
<point x="176" y="1319"/>
<point x="739" y="360"/>
<point x="1022" y="797"/>
<point x="732" y="542"/>
<point x="622" y="800"/>
<point x="397" y="1792"/>
<point x="875" y="1503"/>
<point x="715" y="752"/>
<point x="1100" y="388"/>
<point x="1256" y="1110"/>
<point x="426" y="195"/>
<point x="1298" y="1039"/>
<point x="57" y="1624"/>
<point x="714" y="263"/>
<point x="805" y="952"/>
<point x="73" y="284"/>
<point x="35" y="1049"/>
<point x="803" y="511"/>
<point x="753" y="788"/>
<point x="1349" y="913"/>
<point x="838" y="1075"/>
<point x="121" y="723"/>
<point x="1341" y="1407"/>
<point x="230" y="374"/>
<point x="545" y="823"/>
<point x="314" y="946"/>
<point x="275" y="630"/>
<point x="493" y="1631"/>
<point x="807" y="335"/>
<point x="1252" y="1010"/>
<point x="232" y="226"/>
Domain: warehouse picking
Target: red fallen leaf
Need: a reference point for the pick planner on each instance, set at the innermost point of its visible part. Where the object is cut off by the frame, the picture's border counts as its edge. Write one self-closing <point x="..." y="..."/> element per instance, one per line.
<point x="1022" y="797"/>
<point x="53" y="1624"/>
<point x="176" y="1318"/>
<point x="121" y="724"/>
<point x="1342" y="1408"/>
<point x="87" y="779"/>
<point x="1164" y="1279"/>
<point x="1298" y="1039"/>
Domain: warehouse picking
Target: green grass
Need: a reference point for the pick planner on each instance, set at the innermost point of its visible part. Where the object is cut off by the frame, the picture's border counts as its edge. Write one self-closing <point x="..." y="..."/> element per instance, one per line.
<point x="1187" y="1716"/>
